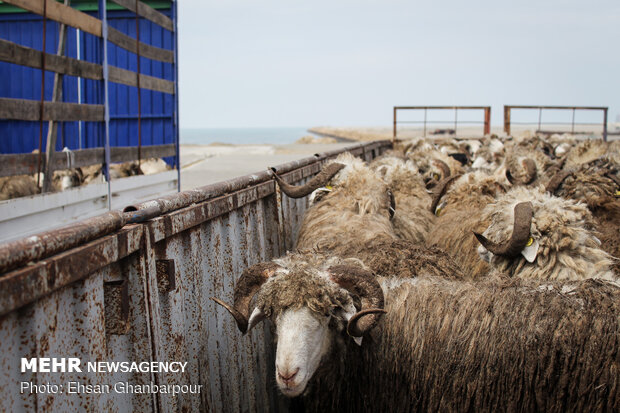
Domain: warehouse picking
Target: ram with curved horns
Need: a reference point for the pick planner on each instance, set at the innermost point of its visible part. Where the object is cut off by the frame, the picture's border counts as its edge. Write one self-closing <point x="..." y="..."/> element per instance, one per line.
<point x="532" y="234"/>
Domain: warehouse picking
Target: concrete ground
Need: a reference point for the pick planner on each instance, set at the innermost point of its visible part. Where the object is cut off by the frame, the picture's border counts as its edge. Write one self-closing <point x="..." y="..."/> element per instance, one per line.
<point x="206" y="164"/>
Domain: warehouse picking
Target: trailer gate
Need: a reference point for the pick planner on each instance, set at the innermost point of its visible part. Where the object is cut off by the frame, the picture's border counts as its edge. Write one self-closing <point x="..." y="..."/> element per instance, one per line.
<point x="135" y="286"/>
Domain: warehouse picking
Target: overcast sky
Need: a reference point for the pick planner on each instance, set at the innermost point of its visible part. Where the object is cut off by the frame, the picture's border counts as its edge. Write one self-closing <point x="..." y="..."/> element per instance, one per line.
<point x="274" y="63"/>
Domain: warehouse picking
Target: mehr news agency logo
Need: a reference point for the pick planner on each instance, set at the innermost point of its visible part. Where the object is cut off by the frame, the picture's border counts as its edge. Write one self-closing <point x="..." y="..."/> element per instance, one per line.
<point x="74" y="365"/>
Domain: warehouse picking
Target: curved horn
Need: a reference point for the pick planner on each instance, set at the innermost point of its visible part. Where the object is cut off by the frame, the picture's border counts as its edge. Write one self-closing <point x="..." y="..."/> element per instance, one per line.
<point x="318" y="181"/>
<point x="392" y="208"/>
<point x="556" y="181"/>
<point x="440" y="190"/>
<point x="246" y="287"/>
<point x="530" y="173"/>
<point x="520" y="233"/>
<point x="445" y="169"/>
<point x="362" y="283"/>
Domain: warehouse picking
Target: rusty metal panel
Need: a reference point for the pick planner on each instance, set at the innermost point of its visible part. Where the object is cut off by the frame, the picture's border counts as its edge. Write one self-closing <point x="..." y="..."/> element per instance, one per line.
<point x="142" y="293"/>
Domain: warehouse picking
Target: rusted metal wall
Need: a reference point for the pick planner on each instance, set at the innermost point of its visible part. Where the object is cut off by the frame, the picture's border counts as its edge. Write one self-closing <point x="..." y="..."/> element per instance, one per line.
<point x="136" y="286"/>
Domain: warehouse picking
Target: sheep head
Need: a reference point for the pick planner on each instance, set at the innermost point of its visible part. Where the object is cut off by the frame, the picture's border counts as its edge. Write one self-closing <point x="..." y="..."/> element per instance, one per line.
<point x="311" y="301"/>
<point x="535" y="235"/>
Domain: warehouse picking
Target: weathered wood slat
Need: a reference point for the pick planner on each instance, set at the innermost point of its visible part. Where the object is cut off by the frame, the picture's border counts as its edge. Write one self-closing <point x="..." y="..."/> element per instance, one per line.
<point x="148" y="51"/>
<point x="130" y="153"/>
<point x="25" y="56"/>
<point x="127" y="77"/>
<point x="62" y="14"/>
<point x="23" y="109"/>
<point x="21" y="164"/>
<point x="148" y="13"/>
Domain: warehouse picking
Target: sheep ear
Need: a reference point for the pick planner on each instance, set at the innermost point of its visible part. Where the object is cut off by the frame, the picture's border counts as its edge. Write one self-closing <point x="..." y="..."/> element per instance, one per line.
<point x="347" y="313"/>
<point x="531" y="251"/>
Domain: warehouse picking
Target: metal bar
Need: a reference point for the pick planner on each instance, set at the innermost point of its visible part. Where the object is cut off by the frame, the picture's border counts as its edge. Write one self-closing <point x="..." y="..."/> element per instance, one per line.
<point x="42" y="105"/>
<point x="455" y="119"/>
<point x="139" y="89"/>
<point x="103" y="15"/>
<point x="572" y="131"/>
<point x="557" y="107"/>
<point x="425" y="113"/>
<point x="394" y="132"/>
<point x="605" y="124"/>
<point x="558" y="123"/>
<point x="79" y="82"/>
<point x="442" y="107"/>
<point x="177" y="137"/>
<point x="487" y="121"/>
<point x="539" y="117"/>
<point x="36" y="247"/>
<point x="52" y="128"/>
<point x="507" y="119"/>
<point x="477" y="122"/>
<point x="186" y="198"/>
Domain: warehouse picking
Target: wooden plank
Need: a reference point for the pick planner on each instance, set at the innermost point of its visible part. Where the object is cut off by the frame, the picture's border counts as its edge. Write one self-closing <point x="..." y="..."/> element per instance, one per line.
<point x="25" y="56"/>
<point x="127" y="77"/>
<point x="130" y="153"/>
<point x="148" y="13"/>
<point x="22" y="164"/>
<point x="146" y="50"/>
<point x="62" y="14"/>
<point x="23" y="109"/>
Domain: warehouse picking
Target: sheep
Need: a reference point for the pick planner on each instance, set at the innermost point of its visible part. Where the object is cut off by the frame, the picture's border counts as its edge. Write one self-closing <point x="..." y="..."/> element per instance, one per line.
<point x="93" y="173"/>
<point x="123" y="170"/>
<point x="412" y="219"/>
<point x="496" y="344"/>
<point x="153" y="166"/>
<point x="67" y="178"/>
<point x="597" y="185"/>
<point x="433" y="165"/>
<point x="490" y="155"/>
<point x="358" y="209"/>
<point x="585" y="151"/>
<point x="532" y="234"/>
<point x="458" y="203"/>
<point x="17" y="186"/>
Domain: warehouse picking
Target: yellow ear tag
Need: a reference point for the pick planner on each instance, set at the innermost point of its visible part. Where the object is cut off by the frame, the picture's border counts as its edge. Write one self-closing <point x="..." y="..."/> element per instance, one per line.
<point x="617" y="193"/>
<point x="435" y="175"/>
<point x="530" y="241"/>
<point x="328" y="187"/>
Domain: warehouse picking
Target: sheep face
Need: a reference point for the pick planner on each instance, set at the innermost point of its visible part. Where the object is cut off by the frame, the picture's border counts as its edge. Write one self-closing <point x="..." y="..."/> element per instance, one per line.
<point x="304" y="338"/>
<point x="312" y="301"/>
<point x="560" y="246"/>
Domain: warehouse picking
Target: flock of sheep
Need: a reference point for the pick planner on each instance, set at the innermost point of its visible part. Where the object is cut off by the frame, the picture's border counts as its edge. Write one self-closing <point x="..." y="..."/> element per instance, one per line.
<point x="449" y="275"/>
<point x="25" y="185"/>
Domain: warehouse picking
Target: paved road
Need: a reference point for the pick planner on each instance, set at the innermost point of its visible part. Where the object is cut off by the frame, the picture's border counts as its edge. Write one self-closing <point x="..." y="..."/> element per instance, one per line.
<point x="206" y="164"/>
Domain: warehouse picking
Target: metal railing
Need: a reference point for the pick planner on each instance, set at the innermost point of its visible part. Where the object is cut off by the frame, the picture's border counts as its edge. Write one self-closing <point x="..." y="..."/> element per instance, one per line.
<point x="486" y="122"/>
<point x="508" y="121"/>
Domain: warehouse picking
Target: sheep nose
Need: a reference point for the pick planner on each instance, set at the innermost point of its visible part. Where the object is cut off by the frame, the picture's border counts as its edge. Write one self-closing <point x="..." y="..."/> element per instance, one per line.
<point x="288" y="376"/>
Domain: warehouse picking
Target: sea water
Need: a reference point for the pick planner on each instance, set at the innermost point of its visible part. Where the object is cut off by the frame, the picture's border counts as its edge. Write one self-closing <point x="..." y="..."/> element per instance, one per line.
<point x="242" y="135"/>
